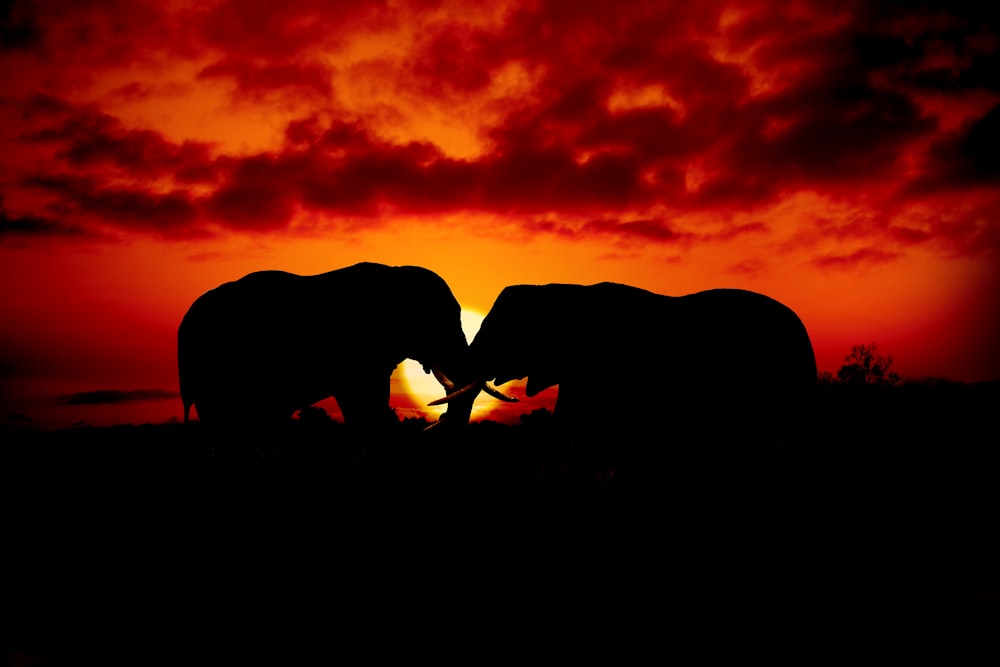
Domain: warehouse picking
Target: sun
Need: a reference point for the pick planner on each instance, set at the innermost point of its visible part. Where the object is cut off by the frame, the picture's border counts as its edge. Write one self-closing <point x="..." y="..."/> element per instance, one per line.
<point x="423" y="388"/>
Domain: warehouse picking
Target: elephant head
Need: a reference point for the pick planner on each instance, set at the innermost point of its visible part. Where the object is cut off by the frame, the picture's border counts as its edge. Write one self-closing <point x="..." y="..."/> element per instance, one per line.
<point x="261" y="347"/>
<point x="527" y="333"/>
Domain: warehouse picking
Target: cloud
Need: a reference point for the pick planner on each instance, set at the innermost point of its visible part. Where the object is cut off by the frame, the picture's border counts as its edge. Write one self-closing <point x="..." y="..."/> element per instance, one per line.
<point x="17" y="418"/>
<point x="622" y="230"/>
<point x="136" y="208"/>
<point x="33" y="226"/>
<point x="85" y="37"/>
<point x="256" y="78"/>
<point x="106" y="396"/>
<point x="979" y="147"/>
<point x="18" y="29"/>
<point x="862" y="257"/>
<point x="961" y="160"/>
<point x="258" y="193"/>
<point x="89" y="138"/>
<point x="657" y="231"/>
<point x="281" y="30"/>
<point x="480" y="52"/>
<point x="619" y="118"/>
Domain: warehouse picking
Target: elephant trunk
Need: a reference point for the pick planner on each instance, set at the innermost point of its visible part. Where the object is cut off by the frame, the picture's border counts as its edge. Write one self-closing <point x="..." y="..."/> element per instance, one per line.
<point x="451" y="369"/>
<point x="478" y="379"/>
<point x="459" y="411"/>
<point x="462" y="380"/>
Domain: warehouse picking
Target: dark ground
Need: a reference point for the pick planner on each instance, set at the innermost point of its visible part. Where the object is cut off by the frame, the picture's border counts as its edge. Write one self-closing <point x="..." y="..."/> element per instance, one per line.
<point x="165" y="544"/>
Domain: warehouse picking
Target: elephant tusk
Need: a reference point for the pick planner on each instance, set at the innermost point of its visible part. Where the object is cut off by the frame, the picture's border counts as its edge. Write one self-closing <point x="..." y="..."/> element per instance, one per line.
<point x="443" y="379"/>
<point x="496" y="393"/>
<point x="477" y="386"/>
<point x="472" y="386"/>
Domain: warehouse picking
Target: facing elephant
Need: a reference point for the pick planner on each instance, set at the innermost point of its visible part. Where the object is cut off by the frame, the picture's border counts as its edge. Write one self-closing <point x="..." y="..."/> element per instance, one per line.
<point x="253" y="351"/>
<point x="629" y="363"/>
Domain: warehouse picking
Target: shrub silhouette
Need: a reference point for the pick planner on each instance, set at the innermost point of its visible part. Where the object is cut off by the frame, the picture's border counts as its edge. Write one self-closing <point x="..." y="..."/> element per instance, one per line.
<point x="865" y="366"/>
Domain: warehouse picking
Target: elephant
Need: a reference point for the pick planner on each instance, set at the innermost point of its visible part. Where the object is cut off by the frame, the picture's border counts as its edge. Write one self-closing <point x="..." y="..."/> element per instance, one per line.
<point x="632" y="365"/>
<point x="255" y="350"/>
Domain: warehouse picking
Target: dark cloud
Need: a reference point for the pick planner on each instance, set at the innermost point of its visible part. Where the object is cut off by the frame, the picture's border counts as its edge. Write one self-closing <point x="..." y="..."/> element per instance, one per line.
<point x="82" y="36"/>
<point x="641" y="230"/>
<point x="979" y="148"/>
<point x="339" y="168"/>
<point x="975" y="232"/>
<point x="909" y="235"/>
<point x="33" y="226"/>
<point x="258" y="39"/>
<point x="748" y="267"/>
<point x="825" y="124"/>
<point x="826" y="137"/>
<point x="666" y="106"/>
<point x="862" y="257"/>
<point x="962" y="160"/>
<point x="259" y="192"/>
<point x="945" y="46"/>
<point x="87" y="137"/>
<point x="169" y="213"/>
<point x="46" y="106"/>
<point x="18" y="28"/>
<point x="105" y="396"/>
<point x="278" y="31"/>
<point x="256" y="77"/>
<point x="458" y="58"/>
<point x="551" y="179"/>
<point x="735" y="230"/>
<point x="644" y="230"/>
<point x="111" y="175"/>
<point x="17" y="418"/>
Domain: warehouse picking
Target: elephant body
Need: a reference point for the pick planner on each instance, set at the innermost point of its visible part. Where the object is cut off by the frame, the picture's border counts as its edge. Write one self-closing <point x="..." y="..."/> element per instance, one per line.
<point x="255" y="350"/>
<point x="633" y="366"/>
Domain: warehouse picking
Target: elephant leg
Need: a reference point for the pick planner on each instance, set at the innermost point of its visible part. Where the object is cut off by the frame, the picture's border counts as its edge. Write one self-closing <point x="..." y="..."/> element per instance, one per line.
<point x="364" y="402"/>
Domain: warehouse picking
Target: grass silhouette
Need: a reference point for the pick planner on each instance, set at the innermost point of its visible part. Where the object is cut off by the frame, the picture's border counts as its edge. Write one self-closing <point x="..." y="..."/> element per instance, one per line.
<point x="885" y="505"/>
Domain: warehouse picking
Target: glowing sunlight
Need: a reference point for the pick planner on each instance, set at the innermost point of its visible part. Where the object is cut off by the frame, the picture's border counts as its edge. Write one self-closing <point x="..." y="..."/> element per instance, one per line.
<point x="423" y="388"/>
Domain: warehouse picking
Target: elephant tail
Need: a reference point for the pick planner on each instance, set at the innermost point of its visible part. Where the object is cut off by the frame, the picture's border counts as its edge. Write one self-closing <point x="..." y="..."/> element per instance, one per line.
<point x="187" y="400"/>
<point x="185" y="367"/>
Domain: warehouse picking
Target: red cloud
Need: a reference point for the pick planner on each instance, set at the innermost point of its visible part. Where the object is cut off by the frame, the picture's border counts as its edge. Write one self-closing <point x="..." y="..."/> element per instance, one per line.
<point x="255" y="77"/>
<point x="462" y="59"/>
<point x="631" y="110"/>
<point x="82" y="199"/>
<point x="34" y="226"/>
<point x="277" y="31"/>
<point x="865" y="256"/>
<point x="89" y="138"/>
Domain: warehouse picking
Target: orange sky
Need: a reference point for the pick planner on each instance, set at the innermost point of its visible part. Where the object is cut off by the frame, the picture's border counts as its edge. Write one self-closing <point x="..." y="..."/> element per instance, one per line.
<point x="842" y="158"/>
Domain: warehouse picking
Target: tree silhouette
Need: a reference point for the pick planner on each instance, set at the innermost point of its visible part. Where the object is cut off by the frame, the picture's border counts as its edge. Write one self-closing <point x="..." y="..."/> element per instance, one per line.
<point x="865" y="366"/>
<point x="826" y="378"/>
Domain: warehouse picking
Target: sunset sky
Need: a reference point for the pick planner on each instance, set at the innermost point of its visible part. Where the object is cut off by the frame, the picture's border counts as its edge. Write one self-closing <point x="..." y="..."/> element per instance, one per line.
<point x="841" y="157"/>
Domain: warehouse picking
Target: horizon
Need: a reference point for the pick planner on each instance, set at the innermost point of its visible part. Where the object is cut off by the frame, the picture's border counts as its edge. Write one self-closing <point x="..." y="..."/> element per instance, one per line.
<point x="843" y="161"/>
<point x="102" y="408"/>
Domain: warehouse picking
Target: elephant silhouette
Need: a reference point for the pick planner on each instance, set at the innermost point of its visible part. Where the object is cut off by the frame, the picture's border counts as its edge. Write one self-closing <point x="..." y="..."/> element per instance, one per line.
<point x="253" y="351"/>
<point x="633" y="366"/>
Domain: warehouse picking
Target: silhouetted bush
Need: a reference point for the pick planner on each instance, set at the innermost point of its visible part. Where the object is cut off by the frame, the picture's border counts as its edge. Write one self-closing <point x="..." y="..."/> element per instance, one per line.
<point x="865" y="366"/>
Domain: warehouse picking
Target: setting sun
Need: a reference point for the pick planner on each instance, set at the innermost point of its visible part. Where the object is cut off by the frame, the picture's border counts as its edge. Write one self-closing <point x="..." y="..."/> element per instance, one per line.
<point x="422" y="388"/>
